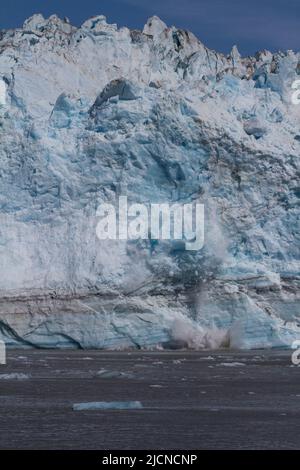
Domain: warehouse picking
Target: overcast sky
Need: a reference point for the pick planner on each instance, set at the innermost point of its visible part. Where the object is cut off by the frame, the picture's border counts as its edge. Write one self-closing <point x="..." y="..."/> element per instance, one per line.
<point x="250" y="24"/>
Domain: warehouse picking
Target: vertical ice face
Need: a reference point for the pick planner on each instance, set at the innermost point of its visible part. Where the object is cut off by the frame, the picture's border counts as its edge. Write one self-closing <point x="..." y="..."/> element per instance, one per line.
<point x="100" y="111"/>
<point x="2" y="93"/>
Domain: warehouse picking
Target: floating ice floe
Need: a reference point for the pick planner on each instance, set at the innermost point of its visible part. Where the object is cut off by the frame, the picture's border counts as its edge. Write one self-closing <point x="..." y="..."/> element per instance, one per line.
<point x="106" y="405"/>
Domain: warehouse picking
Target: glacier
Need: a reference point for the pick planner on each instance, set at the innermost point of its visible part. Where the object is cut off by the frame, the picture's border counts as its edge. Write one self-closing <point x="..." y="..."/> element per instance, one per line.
<point x="98" y="111"/>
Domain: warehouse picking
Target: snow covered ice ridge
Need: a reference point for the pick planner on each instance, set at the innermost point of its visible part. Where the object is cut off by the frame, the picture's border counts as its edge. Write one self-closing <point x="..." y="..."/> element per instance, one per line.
<point x="90" y="111"/>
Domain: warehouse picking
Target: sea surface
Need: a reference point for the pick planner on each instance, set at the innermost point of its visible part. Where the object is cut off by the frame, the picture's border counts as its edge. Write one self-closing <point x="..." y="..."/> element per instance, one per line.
<point x="190" y="400"/>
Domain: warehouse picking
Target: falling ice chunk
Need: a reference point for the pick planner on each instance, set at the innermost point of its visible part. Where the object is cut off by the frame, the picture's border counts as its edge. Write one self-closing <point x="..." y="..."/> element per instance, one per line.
<point x="106" y="405"/>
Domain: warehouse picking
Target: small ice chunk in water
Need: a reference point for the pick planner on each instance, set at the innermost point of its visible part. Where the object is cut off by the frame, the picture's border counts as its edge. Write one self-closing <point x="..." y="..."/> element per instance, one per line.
<point x="207" y="358"/>
<point x="106" y="405"/>
<point x="112" y="374"/>
<point x="232" y="364"/>
<point x="14" y="376"/>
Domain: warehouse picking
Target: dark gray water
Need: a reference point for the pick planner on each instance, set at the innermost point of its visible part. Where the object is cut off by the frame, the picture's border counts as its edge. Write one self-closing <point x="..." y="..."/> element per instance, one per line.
<point x="192" y="400"/>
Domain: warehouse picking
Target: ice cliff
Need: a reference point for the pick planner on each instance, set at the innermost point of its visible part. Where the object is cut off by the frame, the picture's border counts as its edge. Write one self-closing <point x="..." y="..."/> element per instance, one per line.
<point x="97" y="111"/>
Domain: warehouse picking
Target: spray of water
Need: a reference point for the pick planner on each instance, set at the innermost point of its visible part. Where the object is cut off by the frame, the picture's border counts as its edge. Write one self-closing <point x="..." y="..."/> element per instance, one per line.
<point x="193" y="336"/>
